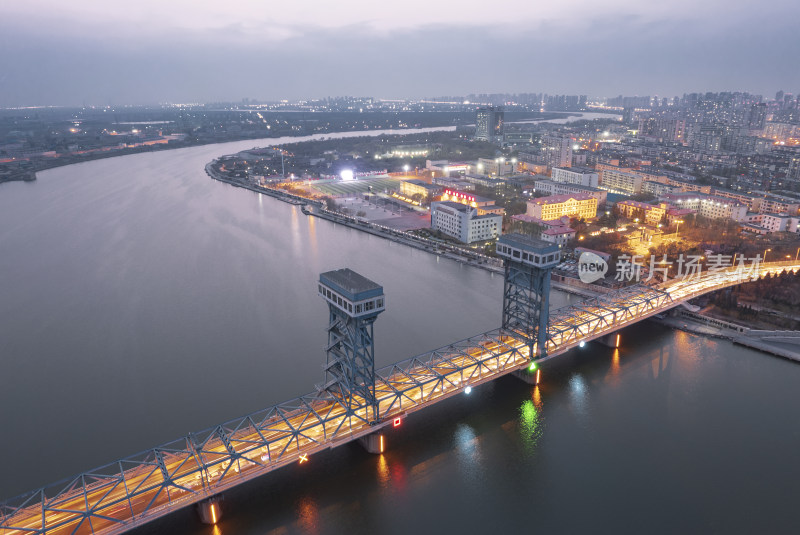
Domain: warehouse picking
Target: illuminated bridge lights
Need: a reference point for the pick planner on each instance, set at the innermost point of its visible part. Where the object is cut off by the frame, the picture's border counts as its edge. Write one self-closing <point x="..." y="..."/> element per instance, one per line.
<point x="130" y="492"/>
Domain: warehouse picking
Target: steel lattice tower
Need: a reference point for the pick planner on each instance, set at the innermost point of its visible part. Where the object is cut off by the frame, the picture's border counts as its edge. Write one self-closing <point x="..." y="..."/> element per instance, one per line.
<point x="354" y="302"/>
<point x="526" y="291"/>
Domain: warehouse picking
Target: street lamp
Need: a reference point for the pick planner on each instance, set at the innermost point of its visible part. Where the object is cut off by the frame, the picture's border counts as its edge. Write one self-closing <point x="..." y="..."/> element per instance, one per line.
<point x="765" y="254"/>
<point x="406" y="168"/>
<point x="677" y="226"/>
<point x="796" y="254"/>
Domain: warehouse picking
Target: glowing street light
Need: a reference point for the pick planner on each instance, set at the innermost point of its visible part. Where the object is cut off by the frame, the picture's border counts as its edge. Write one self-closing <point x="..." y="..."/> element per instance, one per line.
<point x="406" y="167"/>
<point x="765" y="254"/>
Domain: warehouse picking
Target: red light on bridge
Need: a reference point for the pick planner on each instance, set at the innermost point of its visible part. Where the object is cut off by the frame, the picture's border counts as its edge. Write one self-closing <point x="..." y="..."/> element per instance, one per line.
<point x="397" y="422"/>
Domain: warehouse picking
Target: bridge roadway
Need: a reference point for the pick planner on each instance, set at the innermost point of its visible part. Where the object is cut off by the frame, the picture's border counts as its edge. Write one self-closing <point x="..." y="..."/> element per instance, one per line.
<point x="136" y="490"/>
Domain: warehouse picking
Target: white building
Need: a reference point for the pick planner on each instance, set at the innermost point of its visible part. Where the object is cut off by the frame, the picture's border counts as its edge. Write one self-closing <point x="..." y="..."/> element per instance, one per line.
<point x="582" y="176"/>
<point x="463" y="223"/>
<point x="709" y="206"/>
<point x="779" y="223"/>
<point x="494" y="167"/>
<point x="558" y="235"/>
<point x="621" y="182"/>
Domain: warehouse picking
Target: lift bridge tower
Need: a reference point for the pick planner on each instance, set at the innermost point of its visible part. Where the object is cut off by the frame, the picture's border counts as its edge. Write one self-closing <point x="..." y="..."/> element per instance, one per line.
<point x="526" y="291"/>
<point x="354" y="302"/>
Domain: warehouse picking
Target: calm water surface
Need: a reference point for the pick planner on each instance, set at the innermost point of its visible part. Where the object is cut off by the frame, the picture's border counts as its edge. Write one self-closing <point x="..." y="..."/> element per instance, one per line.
<point x="140" y="300"/>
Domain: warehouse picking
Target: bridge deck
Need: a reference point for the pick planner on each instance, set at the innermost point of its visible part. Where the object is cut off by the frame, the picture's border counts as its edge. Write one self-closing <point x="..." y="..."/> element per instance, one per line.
<point x="140" y="488"/>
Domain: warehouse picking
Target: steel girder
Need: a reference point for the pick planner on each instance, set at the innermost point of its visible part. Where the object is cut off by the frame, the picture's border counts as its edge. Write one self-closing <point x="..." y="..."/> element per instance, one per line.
<point x="142" y="487"/>
<point x="526" y="302"/>
<point x="116" y="497"/>
<point x="603" y="314"/>
<point x="350" y="367"/>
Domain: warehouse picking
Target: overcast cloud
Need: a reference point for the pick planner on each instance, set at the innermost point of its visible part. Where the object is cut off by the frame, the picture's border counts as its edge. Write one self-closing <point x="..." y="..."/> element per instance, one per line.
<point x="147" y="52"/>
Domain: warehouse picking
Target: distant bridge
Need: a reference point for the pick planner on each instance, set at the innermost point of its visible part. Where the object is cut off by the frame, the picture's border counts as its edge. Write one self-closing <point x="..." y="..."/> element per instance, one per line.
<point x="195" y="469"/>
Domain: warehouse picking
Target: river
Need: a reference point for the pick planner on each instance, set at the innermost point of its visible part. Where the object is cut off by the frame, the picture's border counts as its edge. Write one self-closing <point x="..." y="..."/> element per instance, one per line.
<point x="141" y="300"/>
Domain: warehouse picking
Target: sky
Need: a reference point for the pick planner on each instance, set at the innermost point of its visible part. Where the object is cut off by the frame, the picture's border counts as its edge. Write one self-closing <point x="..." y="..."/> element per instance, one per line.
<point x="99" y="52"/>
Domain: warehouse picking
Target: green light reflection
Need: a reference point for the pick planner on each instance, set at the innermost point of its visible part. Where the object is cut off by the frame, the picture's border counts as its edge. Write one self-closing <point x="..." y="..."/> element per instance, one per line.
<point x="530" y="426"/>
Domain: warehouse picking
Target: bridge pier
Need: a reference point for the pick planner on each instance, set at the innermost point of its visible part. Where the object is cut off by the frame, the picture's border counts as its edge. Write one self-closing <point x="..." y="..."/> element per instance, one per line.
<point x="530" y="377"/>
<point x="374" y="443"/>
<point x="210" y="511"/>
<point x="611" y="340"/>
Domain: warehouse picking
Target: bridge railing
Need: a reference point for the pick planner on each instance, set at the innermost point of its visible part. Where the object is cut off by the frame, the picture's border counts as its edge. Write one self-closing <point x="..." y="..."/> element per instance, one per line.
<point x="144" y="486"/>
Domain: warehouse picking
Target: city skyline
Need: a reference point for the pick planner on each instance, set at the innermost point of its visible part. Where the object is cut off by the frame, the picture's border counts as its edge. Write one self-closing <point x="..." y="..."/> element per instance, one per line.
<point x="149" y="53"/>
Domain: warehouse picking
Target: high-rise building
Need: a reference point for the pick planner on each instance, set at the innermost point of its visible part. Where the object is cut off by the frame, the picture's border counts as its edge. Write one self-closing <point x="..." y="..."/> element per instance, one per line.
<point x="757" y="117"/>
<point x="557" y="151"/>
<point x="489" y="124"/>
<point x="663" y="128"/>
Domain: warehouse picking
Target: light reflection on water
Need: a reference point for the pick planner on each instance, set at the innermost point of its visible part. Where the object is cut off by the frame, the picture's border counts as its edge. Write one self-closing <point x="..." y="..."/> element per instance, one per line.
<point x="384" y="475"/>
<point x="308" y="515"/>
<point x="615" y="363"/>
<point x="467" y="449"/>
<point x="530" y="424"/>
<point x="579" y="397"/>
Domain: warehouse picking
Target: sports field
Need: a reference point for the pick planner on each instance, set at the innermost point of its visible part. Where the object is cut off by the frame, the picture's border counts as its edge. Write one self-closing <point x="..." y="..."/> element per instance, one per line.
<point x="354" y="187"/>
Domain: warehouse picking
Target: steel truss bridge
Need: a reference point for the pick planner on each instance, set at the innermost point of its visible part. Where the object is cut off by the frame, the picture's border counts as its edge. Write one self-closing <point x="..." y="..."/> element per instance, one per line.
<point x="138" y="489"/>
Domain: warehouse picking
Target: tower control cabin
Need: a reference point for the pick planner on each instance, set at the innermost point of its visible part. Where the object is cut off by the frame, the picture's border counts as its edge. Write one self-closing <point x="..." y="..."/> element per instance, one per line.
<point x="354" y="302"/>
<point x="526" y="291"/>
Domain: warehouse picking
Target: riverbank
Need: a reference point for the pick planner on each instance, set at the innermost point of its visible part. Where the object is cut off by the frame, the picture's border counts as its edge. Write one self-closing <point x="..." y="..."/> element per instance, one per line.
<point x="62" y="160"/>
<point x="23" y="176"/>
<point x="761" y="340"/>
<point x="316" y="208"/>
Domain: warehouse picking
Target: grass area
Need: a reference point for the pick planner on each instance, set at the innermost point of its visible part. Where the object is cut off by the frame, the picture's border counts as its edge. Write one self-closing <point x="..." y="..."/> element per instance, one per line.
<point x="354" y="187"/>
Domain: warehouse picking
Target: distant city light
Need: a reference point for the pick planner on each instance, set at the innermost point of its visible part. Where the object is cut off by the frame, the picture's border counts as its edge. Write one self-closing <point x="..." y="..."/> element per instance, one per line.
<point x="346" y="174"/>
